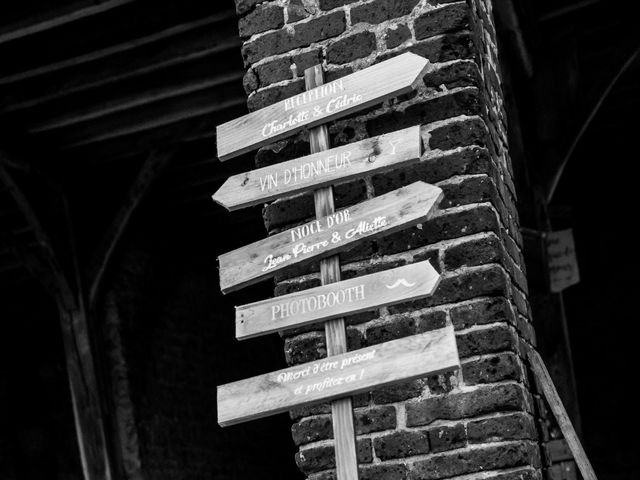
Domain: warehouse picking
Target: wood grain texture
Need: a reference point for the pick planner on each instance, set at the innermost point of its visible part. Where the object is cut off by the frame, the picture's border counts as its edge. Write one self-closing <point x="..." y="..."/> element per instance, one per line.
<point x="344" y="433"/>
<point x="402" y="284"/>
<point x="329" y="235"/>
<point x="350" y="373"/>
<point x="372" y="155"/>
<point x="321" y="104"/>
<point x="564" y="422"/>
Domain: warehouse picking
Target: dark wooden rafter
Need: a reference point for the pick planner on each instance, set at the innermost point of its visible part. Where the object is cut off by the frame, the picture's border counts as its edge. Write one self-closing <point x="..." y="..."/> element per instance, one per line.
<point x="151" y="169"/>
<point x="56" y="18"/>
<point x="44" y="264"/>
<point x="142" y="121"/>
<point x="555" y="179"/>
<point x="119" y="49"/>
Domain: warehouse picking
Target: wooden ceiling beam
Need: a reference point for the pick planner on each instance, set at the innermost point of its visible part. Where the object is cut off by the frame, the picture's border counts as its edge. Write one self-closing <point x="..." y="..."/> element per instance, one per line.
<point x="111" y="131"/>
<point x="56" y="18"/>
<point x="155" y="164"/>
<point x="121" y="104"/>
<point x="117" y="49"/>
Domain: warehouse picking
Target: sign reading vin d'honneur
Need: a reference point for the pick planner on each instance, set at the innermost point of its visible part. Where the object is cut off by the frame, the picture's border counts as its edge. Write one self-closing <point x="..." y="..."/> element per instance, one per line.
<point x="372" y="155"/>
<point x="326" y="102"/>
<point x="329" y="235"/>
<point x="353" y="372"/>
<point x="402" y="284"/>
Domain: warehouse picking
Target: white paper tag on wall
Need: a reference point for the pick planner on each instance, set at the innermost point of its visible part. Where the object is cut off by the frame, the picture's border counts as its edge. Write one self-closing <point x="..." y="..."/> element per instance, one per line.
<point x="563" y="264"/>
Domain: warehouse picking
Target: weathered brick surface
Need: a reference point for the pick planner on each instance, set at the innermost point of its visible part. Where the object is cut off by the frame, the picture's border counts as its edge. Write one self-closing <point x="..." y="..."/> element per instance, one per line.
<point x="482" y="415"/>
<point x="446" y="19"/>
<point x="263" y="18"/>
<point x="304" y="34"/>
<point x="397" y="35"/>
<point x="381" y="10"/>
<point x="401" y="444"/>
<point x="447" y="437"/>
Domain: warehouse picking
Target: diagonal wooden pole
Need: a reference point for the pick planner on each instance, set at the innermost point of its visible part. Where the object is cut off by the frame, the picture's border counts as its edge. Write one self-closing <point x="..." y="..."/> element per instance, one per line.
<point x="335" y="331"/>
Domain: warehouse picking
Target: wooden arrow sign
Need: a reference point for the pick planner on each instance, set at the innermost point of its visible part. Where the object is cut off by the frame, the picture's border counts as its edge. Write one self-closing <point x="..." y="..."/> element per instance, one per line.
<point x="328" y="235"/>
<point x="320" y="169"/>
<point x="350" y="373"/>
<point x="326" y="102"/>
<point x="409" y="282"/>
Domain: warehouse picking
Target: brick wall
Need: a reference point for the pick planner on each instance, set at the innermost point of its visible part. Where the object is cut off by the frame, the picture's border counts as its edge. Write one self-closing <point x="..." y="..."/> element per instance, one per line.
<point x="483" y="419"/>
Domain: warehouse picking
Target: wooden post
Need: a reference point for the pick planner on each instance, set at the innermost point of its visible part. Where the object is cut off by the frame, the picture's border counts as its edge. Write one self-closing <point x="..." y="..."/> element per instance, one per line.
<point x="551" y="394"/>
<point x="335" y="331"/>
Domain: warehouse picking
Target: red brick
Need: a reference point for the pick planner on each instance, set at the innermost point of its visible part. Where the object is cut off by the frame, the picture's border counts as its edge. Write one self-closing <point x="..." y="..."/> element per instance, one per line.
<point x="446" y="438"/>
<point x="463" y="462"/>
<point x="498" y="398"/>
<point x="518" y="426"/>
<point x="305" y="33"/>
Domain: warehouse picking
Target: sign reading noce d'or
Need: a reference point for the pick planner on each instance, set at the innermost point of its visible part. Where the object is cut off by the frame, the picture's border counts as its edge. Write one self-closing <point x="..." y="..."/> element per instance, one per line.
<point x="350" y="373"/>
<point x="334" y="300"/>
<point x="365" y="157"/>
<point x="332" y="100"/>
<point x="329" y="235"/>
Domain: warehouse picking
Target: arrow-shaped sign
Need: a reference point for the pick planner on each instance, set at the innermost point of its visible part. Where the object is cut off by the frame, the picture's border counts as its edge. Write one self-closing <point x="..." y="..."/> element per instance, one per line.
<point x="372" y="155"/>
<point x="327" y="102"/>
<point x="409" y="282"/>
<point x="350" y="373"/>
<point x="329" y="235"/>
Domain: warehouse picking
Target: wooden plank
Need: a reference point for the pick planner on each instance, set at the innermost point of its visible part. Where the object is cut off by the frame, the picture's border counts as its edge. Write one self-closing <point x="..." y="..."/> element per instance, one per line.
<point x="321" y="104"/>
<point x="350" y="373"/>
<point x="372" y="155"/>
<point x="551" y="394"/>
<point x="335" y="330"/>
<point x="329" y="235"/>
<point x="402" y="284"/>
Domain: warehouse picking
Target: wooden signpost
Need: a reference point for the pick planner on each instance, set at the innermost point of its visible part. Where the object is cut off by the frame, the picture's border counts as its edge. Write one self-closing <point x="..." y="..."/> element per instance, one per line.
<point x="353" y="372"/>
<point x="320" y="104"/>
<point x="348" y="297"/>
<point x="330" y="234"/>
<point x="372" y="155"/>
<point x="342" y="373"/>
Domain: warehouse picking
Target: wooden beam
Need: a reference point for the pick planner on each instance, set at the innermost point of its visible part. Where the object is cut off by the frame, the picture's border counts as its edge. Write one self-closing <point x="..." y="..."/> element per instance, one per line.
<point x="131" y="101"/>
<point x="42" y="238"/>
<point x="55" y="18"/>
<point x="335" y="330"/>
<point x="117" y="49"/>
<point x="551" y="394"/>
<point x="151" y="169"/>
<point x="45" y="266"/>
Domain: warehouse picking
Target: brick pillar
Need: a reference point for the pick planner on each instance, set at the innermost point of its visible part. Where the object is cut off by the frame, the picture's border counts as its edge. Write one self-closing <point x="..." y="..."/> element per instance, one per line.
<point x="481" y="420"/>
